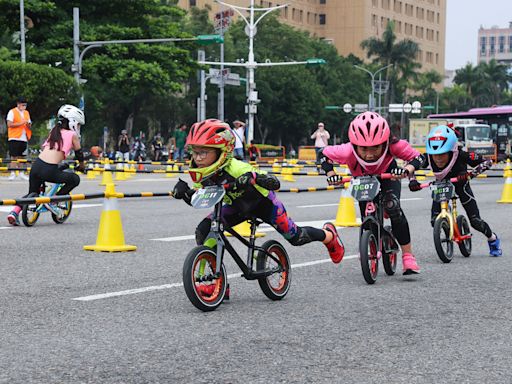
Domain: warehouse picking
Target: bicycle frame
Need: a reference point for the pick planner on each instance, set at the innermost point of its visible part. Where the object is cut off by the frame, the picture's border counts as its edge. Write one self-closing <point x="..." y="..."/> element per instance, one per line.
<point x="374" y="221"/>
<point x="45" y="207"/>
<point x="222" y="244"/>
<point x="449" y="212"/>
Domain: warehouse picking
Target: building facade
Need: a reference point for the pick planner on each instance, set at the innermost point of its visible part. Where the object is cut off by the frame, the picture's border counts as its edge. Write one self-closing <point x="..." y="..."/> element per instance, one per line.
<point x="346" y="23"/>
<point x="495" y="43"/>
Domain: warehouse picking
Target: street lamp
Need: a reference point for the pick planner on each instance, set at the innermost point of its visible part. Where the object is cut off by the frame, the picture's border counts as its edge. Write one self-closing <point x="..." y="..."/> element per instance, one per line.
<point x="372" y="75"/>
<point x="22" y="31"/>
<point x="250" y="65"/>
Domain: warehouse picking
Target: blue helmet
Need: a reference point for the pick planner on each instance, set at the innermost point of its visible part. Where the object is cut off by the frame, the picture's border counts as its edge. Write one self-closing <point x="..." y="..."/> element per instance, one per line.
<point x="441" y="139"/>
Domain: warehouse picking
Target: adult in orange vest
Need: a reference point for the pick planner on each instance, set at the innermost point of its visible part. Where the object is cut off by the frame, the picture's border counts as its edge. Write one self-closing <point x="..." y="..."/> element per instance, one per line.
<point x="19" y="133"/>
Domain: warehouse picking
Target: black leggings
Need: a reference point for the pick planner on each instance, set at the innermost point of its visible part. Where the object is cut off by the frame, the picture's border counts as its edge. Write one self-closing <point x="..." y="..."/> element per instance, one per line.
<point x="391" y="190"/>
<point x="42" y="171"/>
<point x="468" y="201"/>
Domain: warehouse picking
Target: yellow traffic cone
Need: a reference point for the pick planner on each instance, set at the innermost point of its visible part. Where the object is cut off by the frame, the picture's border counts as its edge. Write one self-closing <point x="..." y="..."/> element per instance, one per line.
<point x="506" y="195"/>
<point x="107" y="178"/>
<point x="120" y="172"/>
<point x="507" y="171"/>
<point x="346" y="215"/>
<point x="287" y="174"/>
<point x="168" y="171"/>
<point x="110" y="231"/>
<point x="244" y="229"/>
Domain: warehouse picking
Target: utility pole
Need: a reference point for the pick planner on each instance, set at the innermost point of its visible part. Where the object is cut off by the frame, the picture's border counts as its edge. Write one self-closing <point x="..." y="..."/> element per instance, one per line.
<point x="250" y="65"/>
<point x="22" y="31"/>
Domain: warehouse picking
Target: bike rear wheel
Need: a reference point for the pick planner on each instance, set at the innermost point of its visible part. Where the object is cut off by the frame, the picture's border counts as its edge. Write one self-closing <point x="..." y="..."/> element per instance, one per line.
<point x="65" y="207"/>
<point x="203" y="287"/>
<point x="389" y="255"/>
<point x="277" y="285"/>
<point x="442" y="240"/>
<point x="29" y="213"/>
<point x="465" y="245"/>
<point x="368" y="249"/>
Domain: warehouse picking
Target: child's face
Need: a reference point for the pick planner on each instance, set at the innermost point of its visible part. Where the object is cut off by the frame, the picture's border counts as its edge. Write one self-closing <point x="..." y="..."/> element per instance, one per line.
<point x="204" y="156"/>
<point x="370" y="154"/>
<point x="441" y="160"/>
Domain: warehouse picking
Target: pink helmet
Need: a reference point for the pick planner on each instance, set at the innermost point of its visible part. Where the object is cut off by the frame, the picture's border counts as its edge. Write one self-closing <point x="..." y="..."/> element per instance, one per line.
<point x="368" y="129"/>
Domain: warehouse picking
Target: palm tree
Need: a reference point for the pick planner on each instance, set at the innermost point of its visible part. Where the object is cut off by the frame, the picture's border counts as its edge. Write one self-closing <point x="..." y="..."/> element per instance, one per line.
<point x="469" y="77"/>
<point x="496" y="78"/>
<point x="387" y="51"/>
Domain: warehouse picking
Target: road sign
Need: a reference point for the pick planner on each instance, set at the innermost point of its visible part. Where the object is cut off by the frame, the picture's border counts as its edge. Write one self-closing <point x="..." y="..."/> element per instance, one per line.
<point x="380" y="86"/>
<point x="214" y="72"/>
<point x="347" y="108"/>
<point x="416" y="105"/>
<point x="332" y="107"/>
<point x="396" y="108"/>
<point x="407" y="107"/>
<point x="230" y="79"/>
<point x="222" y="20"/>
<point x="360" y="107"/>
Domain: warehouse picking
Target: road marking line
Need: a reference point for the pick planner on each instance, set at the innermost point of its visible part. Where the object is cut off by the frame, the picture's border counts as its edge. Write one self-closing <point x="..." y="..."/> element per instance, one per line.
<point x="261" y="228"/>
<point x="6" y="227"/>
<point x="175" y="285"/>
<point x="335" y="205"/>
<point x="9" y="209"/>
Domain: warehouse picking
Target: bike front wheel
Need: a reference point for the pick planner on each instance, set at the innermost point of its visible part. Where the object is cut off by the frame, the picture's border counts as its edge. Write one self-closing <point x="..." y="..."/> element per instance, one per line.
<point x="442" y="240"/>
<point x="29" y="212"/>
<point x="277" y="285"/>
<point x="204" y="288"/>
<point x="65" y="208"/>
<point x="368" y="251"/>
<point x="465" y="245"/>
<point x="389" y="254"/>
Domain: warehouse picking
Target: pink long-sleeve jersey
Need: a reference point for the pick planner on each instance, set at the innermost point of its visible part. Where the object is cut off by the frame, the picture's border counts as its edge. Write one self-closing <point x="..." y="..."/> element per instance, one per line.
<point x="345" y="154"/>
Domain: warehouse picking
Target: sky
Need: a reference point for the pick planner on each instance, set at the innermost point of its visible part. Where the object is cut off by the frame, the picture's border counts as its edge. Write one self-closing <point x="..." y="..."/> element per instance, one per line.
<point x="463" y="20"/>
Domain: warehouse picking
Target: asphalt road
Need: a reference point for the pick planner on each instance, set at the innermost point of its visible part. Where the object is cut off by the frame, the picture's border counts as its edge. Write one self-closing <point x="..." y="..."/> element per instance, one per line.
<point x="71" y="316"/>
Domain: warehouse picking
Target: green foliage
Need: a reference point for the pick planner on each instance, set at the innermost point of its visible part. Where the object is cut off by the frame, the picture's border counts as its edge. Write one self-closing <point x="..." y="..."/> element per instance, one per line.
<point x="486" y="84"/>
<point x="44" y="87"/>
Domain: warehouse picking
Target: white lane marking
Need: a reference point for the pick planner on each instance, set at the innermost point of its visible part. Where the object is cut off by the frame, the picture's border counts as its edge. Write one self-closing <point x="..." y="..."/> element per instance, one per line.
<point x="335" y="205"/>
<point x="6" y="227"/>
<point x="262" y="228"/>
<point x="175" y="285"/>
<point x="9" y="209"/>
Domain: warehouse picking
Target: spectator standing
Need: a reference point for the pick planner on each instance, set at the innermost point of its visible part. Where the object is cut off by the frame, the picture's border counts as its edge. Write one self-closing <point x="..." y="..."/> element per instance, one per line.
<point x="321" y="136"/>
<point x="19" y="133"/>
<point x="239" y="139"/>
<point x="139" y="149"/>
<point x="178" y="141"/>
<point x="254" y="152"/>
<point x="156" y="147"/>
<point x="123" y="145"/>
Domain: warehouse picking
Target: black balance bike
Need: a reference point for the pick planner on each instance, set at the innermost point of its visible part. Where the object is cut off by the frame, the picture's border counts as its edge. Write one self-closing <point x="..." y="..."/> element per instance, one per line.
<point x="204" y="274"/>
<point x="376" y="240"/>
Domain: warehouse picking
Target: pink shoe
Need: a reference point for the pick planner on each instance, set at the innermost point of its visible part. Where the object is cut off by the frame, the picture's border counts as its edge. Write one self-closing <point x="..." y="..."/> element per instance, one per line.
<point x="409" y="265"/>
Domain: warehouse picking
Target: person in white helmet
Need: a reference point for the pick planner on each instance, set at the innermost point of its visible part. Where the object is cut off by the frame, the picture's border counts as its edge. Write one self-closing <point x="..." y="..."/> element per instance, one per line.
<point x="64" y="137"/>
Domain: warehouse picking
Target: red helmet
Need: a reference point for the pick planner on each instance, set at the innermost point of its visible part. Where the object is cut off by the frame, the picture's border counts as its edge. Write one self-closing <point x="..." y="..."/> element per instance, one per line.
<point x="368" y="129"/>
<point x="215" y="134"/>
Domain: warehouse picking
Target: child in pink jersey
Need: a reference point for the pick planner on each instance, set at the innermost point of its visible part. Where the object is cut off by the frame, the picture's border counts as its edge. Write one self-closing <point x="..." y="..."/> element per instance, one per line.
<point x="372" y="151"/>
<point x="64" y="137"/>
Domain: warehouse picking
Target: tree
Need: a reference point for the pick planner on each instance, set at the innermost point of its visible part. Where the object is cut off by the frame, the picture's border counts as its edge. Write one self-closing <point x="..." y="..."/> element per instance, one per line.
<point x="125" y="82"/>
<point x="387" y="51"/>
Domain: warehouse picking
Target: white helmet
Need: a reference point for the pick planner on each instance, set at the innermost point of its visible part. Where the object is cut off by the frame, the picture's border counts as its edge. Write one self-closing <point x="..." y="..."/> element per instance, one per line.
<point x="74" y="116"/>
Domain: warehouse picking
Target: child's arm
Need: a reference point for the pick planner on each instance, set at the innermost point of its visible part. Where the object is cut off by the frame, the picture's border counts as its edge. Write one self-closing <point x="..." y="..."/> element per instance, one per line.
<point x="183" y="191"/>
<point x="404" y="151"/>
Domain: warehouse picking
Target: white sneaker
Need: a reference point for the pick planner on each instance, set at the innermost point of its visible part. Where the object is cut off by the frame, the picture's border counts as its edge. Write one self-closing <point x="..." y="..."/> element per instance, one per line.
<point x="23" y="176"/>
<point x="12" y="176"/>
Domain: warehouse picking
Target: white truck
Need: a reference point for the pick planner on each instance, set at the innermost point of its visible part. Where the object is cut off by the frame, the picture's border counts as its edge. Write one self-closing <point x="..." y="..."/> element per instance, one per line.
<point x="474" y="137"/>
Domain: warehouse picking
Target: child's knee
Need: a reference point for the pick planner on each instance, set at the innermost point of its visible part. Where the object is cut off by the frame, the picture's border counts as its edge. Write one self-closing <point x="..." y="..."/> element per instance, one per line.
<point x="202" y="230"/>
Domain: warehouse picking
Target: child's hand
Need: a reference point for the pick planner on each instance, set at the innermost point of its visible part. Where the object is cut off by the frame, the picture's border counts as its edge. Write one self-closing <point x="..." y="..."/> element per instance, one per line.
<point x="335" y="180"/>
<point x="180" y="189"/>
<point x="414" y="185"/>
<point x="399" y="173"/>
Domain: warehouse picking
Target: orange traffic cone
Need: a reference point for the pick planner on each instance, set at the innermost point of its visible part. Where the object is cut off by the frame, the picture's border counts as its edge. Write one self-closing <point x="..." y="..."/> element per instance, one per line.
<point x="110" y="236"/>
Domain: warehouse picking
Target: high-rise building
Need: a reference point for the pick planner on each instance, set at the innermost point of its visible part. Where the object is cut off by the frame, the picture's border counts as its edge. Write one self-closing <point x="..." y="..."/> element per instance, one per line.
<point x="495" y="43"/>
<point x="346" y="23"/>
